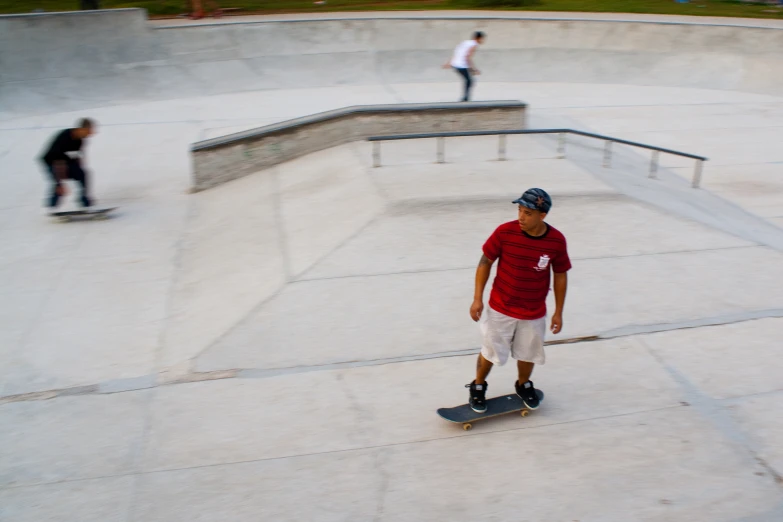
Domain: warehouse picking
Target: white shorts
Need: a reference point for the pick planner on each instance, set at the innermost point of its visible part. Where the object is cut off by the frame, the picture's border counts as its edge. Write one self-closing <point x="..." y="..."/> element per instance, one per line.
<point x="524" y="340"/>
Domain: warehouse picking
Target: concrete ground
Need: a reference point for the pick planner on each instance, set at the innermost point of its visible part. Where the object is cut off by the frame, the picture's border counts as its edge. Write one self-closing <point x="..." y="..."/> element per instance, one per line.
<point x="276" y="348"/>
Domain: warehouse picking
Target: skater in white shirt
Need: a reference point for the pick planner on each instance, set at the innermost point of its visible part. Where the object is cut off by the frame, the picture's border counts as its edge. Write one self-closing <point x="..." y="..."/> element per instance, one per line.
<point x="462" y="61"/>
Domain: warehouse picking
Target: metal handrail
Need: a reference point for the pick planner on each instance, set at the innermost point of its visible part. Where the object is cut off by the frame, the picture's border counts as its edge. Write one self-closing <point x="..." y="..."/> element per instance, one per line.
<point x="561" y="147"/>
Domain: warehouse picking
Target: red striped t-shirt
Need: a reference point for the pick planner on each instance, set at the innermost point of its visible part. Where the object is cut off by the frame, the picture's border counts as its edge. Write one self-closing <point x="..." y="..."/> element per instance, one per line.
<point x="522" y="281"/>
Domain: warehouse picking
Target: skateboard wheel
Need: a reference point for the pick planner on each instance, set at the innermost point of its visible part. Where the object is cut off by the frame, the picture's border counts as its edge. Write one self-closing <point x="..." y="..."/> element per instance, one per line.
<point x="524" y="413"/>
<point x="467" y="427"/>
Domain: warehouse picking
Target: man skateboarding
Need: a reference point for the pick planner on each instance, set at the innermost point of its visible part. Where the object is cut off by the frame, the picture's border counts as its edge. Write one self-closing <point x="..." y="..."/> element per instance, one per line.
<point x="63" y="160"/>
<point x="462" y="61"/>
<point x="526" y="249"/>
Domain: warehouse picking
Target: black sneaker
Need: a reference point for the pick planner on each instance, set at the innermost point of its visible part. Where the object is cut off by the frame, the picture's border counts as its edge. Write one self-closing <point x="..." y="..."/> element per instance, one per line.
<point x="528" y="394"/>
<point x="478" y="393"/>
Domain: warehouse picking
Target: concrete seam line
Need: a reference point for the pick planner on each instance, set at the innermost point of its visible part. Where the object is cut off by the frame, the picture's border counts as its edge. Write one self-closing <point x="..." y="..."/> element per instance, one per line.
<point x="262" y="373"/>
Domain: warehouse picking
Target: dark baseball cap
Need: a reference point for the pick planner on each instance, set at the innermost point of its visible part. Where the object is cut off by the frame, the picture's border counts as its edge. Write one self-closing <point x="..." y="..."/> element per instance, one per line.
<point x="535" y="199"/>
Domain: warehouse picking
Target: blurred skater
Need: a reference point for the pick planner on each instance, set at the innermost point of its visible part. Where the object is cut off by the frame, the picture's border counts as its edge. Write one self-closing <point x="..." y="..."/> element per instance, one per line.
<point x="64" y="160"/>
<point x="462" y="61"/>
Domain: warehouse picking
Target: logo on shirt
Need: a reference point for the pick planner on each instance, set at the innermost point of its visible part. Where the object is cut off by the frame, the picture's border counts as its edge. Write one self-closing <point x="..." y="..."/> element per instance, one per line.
<point x="543" y="263"/>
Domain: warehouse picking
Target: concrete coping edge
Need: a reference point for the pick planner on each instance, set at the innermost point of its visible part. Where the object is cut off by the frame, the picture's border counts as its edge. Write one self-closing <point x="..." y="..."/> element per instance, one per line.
<point x="745" y="23"/>
<point x="480" y="18"/>
<point x="259" y="132"/>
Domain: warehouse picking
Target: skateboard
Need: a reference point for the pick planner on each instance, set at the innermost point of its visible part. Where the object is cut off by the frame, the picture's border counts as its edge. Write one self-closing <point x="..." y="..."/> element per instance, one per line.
<point x="99" y="213"/>
<point x="495" y="406"/>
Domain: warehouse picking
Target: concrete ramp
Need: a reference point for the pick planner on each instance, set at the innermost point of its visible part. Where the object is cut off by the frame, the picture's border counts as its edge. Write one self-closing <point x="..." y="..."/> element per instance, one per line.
<point x="72" y="61"/>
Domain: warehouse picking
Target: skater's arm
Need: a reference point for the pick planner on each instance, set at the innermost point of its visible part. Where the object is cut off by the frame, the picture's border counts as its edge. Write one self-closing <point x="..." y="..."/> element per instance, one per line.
<point x="482" y="276"/>
<point x="560" y="286"/>
<point x="447" y="63"/>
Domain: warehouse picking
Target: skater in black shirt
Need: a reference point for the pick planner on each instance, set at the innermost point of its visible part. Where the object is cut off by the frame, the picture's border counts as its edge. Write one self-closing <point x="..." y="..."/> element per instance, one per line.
<point x="63" y="160"/>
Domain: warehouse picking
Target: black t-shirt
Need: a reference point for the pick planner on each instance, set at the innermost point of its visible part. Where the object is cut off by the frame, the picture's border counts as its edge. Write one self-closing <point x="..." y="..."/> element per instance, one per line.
<point x="62" y="143"/>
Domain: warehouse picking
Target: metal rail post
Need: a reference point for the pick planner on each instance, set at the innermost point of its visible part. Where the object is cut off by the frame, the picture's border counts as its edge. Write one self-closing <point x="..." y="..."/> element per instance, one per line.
<point x="502" y="147"/>
<point x="561" y="145"/>
<point x="654" y="164"/>
<point x="376" y="154"/>
<point x="441" y="146"/>
<point x="608" y="154"/>
<point x="697" y="174"/>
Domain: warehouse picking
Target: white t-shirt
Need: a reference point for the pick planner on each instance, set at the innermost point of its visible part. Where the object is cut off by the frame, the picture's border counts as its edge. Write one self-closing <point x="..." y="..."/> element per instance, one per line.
<point x="460" y="57"/>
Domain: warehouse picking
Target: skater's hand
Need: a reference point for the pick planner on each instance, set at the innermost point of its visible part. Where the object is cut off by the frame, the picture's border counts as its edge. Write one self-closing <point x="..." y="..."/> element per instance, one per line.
<point x="446" y="65"/>
<point x="557" y="323"/>
<point x="475" y="72"/>
<point x="61" y="190"/>
<point x="60" y="169"/>
<point x="475" y="310"/>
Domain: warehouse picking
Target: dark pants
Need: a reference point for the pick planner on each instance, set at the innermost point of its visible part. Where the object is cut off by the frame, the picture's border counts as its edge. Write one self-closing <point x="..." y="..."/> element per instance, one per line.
<point x="76" y="173"/>
<point x="465" y="73"/>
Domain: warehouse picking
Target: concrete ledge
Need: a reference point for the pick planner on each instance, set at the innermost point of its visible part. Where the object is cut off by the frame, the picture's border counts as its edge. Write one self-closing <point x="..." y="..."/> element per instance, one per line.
<point x="223" y="159"/>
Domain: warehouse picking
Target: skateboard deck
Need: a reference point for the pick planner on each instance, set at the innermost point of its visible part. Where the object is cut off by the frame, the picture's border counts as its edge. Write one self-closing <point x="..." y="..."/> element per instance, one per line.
<point x="100" y="213"/>
<point x="495" y="406"/>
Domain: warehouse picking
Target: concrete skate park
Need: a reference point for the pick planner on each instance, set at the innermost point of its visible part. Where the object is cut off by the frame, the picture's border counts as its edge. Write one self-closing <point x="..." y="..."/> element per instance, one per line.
<point x="274" y="347"/>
